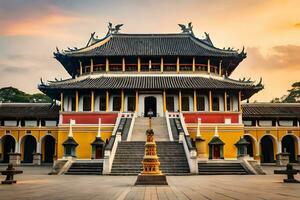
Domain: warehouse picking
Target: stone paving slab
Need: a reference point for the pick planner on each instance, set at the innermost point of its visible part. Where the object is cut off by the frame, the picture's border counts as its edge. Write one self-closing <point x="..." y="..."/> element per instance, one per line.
<point x="36" y="184"/>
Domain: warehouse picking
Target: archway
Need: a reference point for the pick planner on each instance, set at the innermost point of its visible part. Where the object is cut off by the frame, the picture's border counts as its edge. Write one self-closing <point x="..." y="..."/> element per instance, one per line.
<point x="8" y="145"/>
<point x="150" y="104"/>
<point x="267" y="149"/>
<point x="250" y="147"/>
<point x="288" y="145"/>
<point x="48" y="148"/>
<point x="29" y="147"/>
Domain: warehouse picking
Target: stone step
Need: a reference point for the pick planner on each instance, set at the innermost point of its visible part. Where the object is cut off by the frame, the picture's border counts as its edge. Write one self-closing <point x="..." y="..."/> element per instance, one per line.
<point x="225" y="168"/>
<point x="85" y="168"/>
<point x="83" y="173"/>
<point x="129" y="156"/>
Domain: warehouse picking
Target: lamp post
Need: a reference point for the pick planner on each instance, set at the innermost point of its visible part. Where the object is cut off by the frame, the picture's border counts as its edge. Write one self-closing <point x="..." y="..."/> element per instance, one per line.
<point x="150" y="114"/>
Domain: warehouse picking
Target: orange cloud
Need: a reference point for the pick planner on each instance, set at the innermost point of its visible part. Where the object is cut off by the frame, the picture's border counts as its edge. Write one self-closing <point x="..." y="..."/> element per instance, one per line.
<point x="45" y="25"/>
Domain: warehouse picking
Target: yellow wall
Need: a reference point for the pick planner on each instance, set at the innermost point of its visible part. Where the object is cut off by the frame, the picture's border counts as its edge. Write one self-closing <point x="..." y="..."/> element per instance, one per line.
<point x="20" y="132"/>
<point x="229" y="135"/>
<point x="84" y="136"/>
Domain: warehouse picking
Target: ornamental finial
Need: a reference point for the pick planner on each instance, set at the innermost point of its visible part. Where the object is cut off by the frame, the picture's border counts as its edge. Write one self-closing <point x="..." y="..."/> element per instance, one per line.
<point x="186" y="29"/>
<point x="112" y="29"/>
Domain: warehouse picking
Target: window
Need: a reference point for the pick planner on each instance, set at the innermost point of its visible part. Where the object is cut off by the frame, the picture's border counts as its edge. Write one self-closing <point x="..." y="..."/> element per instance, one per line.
<point x="131" y="103"/>
<point x="102" y="103"/>
<point x="87" y="69"/>
<point x="247" y="122"/>
<point x="185" y="103"/>
<point x="86" y="103"/>
<point x="50" y="122"/>
<point x="265" y="122"/>
<point x="10" y="123"/>
<point x="200" y="103"/>
<point x="215" y="104"/>
<point x="73" y="103"/>
<point x="117" y="103"/>
<point x="229" y="103"/>
<point x="286" y="123"/>
<point x="30" y="122"/>
<point x="170" y="103"/>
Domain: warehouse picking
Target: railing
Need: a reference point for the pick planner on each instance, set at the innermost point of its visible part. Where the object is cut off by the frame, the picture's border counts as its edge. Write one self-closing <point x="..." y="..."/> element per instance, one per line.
<point x="169" y="127"/>
<point x="190" y="151"/>
<point x="145" y="67"/>
<point x="110" y="149"/>
<point x="131" y="126"/>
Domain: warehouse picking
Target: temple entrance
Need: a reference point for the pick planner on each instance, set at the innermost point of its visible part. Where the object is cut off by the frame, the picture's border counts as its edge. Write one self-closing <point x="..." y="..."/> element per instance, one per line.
<point x="267" y="149"/>
<point x="288" y="145"/>
<point x="216" y="152"/>
<point x="250" y="146"/>
<point x="98" y="152"/>
<point x="8" y="145"/>
<point x="170" y="103"/>
<point x="48" y="148"/>
<point x="29" y="148"/>
<point x="150" y="104"/>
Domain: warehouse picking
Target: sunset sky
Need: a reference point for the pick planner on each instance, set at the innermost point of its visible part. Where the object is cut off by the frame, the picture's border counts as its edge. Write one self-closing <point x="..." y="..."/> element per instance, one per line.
<point x="269" y="29"/>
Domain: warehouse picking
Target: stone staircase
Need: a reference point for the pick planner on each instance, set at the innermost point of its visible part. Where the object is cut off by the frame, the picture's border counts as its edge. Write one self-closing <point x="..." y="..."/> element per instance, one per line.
<point x="129" y="156"/>
<point x="159" y="126"/>
<point x="221" y="168"/>
<point x="85" y="168"/>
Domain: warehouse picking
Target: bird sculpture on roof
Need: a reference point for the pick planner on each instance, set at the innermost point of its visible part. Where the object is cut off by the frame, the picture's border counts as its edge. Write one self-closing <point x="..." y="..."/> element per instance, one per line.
<point x="115" y="29"/>
<point x="186" y="29"/>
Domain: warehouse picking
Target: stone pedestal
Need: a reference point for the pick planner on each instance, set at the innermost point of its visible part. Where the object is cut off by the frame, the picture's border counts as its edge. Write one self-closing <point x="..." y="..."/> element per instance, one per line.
<point x="282" y="159"/>
<point x="151" y="180"/>
<point x="37" y="159"/>
<point x="15" y="158"/>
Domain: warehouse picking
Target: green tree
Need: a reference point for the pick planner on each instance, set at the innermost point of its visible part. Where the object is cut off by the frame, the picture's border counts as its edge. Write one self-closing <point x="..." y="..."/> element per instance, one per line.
<point x="13" y="95"/>
<point x="294" y="94"/>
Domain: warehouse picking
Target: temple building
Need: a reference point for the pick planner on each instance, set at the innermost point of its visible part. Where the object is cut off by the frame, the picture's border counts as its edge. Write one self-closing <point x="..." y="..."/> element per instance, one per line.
<point x="183" y="80"/>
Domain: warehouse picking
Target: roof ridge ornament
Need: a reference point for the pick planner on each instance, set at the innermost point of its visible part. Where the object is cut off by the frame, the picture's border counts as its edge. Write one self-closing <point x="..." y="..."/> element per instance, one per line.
<point x="187" y="29"/>
<point x="113" y="30"/>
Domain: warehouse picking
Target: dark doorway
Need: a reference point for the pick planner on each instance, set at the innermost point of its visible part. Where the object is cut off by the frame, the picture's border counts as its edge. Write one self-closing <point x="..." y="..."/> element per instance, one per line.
<point x="150" y="104"/>
<point x="216" y="152"/>
<point x="9" y="144"/>
<point x="29" y="148"/>
<point x="250" y="145"/>
<point x="98" y="153"/>
<point x="49" y="149"/>
<point x="116" y="103"/>
<point x="131" y="103"/>
<point x="170" y="103"/>
<point x="267" y="150"/>
<point x="288" y="145"/>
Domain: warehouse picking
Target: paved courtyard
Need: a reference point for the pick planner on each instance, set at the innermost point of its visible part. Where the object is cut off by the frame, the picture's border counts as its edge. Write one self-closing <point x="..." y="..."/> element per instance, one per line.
<point x="36" y="184"/>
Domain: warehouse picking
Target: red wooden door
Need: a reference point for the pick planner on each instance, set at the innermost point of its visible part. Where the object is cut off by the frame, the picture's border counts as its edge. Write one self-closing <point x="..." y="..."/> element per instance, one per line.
<point x="98" y="152"/>
<point x="216" y="152"/>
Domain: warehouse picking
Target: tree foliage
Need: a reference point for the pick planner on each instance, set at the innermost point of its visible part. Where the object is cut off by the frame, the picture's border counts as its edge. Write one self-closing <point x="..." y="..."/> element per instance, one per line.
<point x="13" y="95"/>
<point x="293" y="95"/>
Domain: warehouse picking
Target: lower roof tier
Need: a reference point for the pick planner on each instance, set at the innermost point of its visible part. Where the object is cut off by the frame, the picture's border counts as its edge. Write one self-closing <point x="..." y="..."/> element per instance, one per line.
<point x="149" y="83"/>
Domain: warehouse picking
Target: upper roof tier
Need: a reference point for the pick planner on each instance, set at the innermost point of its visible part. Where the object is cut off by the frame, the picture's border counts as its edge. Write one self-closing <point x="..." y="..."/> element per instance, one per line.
<point x="164" y="45"/>
<point x="177" y="44"/>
